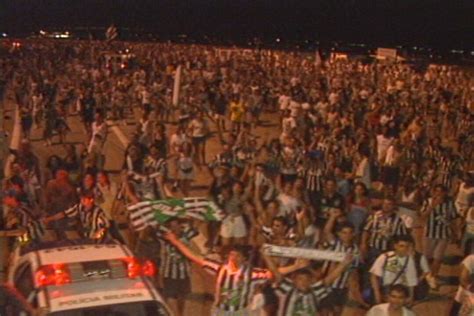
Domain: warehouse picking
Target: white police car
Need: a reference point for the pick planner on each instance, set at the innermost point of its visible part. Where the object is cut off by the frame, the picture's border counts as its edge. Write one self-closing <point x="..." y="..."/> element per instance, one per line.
<point x="87" y="279"/>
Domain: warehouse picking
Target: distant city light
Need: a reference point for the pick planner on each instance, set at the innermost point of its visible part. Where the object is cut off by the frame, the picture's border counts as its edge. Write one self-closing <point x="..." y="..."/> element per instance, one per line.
<point x="278" y="40"/>
<point x="4" y="34"/>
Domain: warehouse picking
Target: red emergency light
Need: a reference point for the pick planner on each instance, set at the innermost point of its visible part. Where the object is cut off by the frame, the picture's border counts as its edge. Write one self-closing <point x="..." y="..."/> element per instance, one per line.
<point x="135" y="268"/>
<point x="53" y="274"/>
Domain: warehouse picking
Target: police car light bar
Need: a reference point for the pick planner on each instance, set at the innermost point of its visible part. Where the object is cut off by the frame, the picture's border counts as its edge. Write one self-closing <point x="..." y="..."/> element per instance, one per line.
<point x="60" y="273"/>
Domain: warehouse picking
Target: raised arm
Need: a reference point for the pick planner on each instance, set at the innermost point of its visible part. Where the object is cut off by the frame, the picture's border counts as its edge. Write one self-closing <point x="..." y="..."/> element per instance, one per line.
<point x="54" y="217"/>
<point x="329" y="227"/>
<point x="334" y="274"/>
<point x="464" y="278"/>
<point x="257" y="199"/>
<point x="184" y="249"/>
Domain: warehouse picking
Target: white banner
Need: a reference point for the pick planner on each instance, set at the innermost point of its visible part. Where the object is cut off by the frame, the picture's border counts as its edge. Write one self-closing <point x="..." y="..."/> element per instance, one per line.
<point x="304" y="253"/>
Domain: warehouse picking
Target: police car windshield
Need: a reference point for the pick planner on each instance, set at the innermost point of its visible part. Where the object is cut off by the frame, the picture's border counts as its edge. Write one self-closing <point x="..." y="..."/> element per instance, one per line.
<point x="136" y="309"/>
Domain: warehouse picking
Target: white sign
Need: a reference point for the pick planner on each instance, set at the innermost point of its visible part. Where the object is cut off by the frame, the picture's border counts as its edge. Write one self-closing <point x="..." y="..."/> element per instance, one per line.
<point x="386" y="53"/>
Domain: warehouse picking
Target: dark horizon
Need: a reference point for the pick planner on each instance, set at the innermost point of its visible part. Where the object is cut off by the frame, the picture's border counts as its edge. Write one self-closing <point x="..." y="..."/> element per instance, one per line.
<point x="443" y="24"/>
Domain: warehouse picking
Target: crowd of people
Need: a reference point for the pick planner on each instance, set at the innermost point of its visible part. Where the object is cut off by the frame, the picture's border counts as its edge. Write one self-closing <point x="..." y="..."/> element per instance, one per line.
<point x="372" y="159"/>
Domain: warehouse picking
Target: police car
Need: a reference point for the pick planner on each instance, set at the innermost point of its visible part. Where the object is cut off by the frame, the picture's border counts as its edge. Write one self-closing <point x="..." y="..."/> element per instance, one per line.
<point x="87" y="279"/>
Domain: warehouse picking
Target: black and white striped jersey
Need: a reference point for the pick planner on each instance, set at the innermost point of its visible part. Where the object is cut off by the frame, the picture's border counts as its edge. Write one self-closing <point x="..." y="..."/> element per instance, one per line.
<point x="314" y="179"/>
<point x="337" y="245"/>
<point x="440" y="219"/>
<point x="235" y="290"/>
<point x="92" y="220"/>
<point x="296" y="302"/>
<point x="155" y="167"/>
<point x="174" y="265"/>
<point x="35" y="230"/>
<point x="382" y="228"/>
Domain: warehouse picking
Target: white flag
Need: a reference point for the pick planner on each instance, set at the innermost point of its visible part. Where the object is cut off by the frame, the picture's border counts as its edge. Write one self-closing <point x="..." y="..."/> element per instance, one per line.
<point x="111" y="33"/>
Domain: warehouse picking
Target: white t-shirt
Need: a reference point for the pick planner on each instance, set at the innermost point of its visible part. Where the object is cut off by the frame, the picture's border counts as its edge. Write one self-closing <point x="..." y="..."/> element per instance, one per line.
<point x="464" y="195"/>
<point x="284" y="102"/>
<point x="363" y="172"/>
<point x="146" y="126"/>
<point x="388" y="265"/>
<point x="333" y="98"/>
<point x="295" y="108"/>
<point x="382" y="310"/>
<point x="178" y="141"/>
<point x="198" y="128"/>
<point x="382" y="145"/>
<point x="36" y="101"/>
<point x="288" y="204"/>
<point x="287" y="124"/>
<point x="468" y="263"/>
<point x="145" y="96"/>
<point x="470" y="220"/>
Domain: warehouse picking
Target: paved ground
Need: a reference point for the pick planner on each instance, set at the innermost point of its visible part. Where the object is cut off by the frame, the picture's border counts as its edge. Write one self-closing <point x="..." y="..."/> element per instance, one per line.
<point x="199" y="304"/>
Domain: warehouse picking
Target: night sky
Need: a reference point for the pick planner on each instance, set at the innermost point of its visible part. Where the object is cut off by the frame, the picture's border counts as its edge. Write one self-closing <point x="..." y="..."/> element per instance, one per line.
<point x="446" y="23"/>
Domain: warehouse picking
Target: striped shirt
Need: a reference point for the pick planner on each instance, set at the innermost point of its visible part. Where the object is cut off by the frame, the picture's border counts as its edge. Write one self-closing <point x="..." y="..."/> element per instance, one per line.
<point x="337" y="245"/>
<point x="224" y="158"/>
<point x="35" y="230"/>
<point x="313" y="179"/>
<point x="235" y="290"/>
<point x="295" y="302"/>
<point x="92" y="220"/>
<point x="173" y="264"/>
<point x="412" y="154"/>
<point x="447" y="169"/>
<point x="439" y="220"/>
<point x="382" y="228"/>
<point x="155" y="167"/>
<point x="434" y="152"/>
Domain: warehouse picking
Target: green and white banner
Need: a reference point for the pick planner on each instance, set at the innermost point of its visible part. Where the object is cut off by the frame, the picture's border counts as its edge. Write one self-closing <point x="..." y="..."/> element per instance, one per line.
<point x="152" y="213"/>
